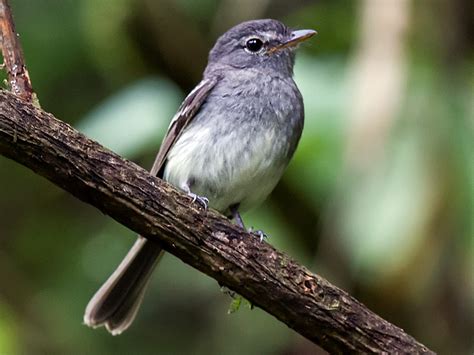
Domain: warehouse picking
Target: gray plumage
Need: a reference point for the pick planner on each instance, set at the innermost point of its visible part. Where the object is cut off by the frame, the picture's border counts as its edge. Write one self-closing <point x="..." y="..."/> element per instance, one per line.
<point x="229" y="143"/>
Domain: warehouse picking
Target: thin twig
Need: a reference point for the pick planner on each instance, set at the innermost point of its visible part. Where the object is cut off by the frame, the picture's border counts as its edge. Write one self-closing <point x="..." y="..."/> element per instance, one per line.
<point x="18" y="78"/>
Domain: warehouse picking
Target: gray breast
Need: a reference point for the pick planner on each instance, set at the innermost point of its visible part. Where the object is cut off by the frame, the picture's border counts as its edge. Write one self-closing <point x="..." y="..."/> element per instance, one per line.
<point x="238" y="145"/>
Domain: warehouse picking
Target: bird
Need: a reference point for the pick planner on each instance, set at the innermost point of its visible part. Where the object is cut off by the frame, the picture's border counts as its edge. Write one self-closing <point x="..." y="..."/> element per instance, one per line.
<point x="226" y="147"/>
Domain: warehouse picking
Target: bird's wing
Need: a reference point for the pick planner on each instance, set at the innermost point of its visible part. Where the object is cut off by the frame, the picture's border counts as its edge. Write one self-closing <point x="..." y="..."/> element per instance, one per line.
<point x="181" y="119"/>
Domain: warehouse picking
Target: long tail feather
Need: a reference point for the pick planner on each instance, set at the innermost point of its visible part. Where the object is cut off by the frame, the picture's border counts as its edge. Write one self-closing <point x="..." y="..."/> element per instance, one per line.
<point x="116" y="303"/>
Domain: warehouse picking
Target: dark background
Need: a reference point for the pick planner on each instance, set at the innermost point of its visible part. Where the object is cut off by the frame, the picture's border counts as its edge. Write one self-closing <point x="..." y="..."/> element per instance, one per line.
<point x="378" y="198"/>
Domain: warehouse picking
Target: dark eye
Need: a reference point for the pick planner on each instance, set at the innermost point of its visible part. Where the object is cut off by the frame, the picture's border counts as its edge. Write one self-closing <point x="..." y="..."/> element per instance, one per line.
<point x="254" y="44"/>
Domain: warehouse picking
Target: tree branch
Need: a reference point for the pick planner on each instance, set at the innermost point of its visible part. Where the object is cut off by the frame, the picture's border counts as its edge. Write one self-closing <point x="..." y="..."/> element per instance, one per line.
<point x="205" y="240"/>
<point x="18" y="77"/>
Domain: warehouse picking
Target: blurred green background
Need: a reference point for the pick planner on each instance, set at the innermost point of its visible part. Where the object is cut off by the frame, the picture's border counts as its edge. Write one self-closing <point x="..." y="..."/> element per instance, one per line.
<point x="378" y="199"/>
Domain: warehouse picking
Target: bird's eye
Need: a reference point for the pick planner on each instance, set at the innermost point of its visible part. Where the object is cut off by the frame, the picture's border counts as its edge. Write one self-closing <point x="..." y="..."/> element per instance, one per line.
<point x="254" y="45"/>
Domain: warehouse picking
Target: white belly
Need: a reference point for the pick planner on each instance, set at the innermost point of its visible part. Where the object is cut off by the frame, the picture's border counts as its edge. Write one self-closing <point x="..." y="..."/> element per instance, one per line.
<point x="237" y="168"/>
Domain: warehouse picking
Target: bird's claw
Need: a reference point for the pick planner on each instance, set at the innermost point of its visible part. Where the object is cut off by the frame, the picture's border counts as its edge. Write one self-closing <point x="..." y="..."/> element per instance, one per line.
<point x="203" y="201"/>
<point x="258" y="233"/>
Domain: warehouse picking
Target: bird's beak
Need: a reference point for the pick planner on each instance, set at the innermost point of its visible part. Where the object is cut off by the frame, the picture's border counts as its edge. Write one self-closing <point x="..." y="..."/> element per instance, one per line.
<point x="296" y="38"/>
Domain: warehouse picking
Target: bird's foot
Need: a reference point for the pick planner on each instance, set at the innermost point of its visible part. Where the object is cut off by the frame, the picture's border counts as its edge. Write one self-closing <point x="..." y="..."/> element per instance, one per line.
<point x="234" y="209"/>
<point x="203" y="201"/>
<point x="258" y="233"/>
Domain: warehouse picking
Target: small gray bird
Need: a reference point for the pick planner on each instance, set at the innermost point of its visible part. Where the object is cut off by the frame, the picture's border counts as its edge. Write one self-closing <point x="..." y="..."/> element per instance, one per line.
<point x="227" y="146"/>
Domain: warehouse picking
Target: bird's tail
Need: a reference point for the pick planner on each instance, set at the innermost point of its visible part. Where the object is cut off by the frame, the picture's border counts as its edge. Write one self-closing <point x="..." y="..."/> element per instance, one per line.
<point x="116" y="303"/>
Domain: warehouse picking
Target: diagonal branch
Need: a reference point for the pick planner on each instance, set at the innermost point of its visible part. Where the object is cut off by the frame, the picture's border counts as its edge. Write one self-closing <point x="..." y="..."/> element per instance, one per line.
<point x="205" y="240"/>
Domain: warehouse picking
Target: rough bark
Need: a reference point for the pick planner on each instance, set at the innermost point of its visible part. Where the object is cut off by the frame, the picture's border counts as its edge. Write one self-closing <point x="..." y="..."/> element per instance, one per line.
<point x="205" y="240"/>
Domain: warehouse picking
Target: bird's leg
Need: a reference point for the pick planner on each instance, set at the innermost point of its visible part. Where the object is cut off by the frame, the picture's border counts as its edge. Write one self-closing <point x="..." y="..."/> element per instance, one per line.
<point x="234" y="210"/>
<point x="203" y="201"/>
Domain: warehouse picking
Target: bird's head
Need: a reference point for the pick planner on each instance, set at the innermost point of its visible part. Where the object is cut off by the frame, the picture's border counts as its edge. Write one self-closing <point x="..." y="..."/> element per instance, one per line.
<point x="266" y="44"/>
